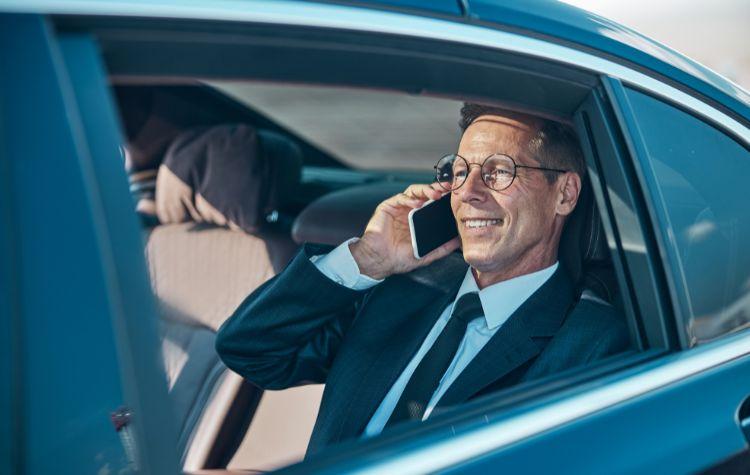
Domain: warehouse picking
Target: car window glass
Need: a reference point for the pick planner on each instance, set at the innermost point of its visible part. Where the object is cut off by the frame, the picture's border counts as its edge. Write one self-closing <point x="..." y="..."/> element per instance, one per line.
<point x="700" y="179"/>
<point x="363" y="128"/>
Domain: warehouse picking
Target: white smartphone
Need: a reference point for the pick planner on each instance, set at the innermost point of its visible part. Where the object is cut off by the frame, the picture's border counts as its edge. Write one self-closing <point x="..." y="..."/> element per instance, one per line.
<point x="431" y="226"/>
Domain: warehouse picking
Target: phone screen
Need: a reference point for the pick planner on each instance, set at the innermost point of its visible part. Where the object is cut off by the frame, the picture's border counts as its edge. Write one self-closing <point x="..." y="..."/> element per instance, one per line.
<point x="432" y="225"/>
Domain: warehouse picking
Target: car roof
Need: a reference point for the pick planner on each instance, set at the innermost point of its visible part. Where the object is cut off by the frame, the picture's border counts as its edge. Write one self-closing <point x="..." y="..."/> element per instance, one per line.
<point x="548" y="19"/>
<point x="605" y="37"/>
<point x="574" y="26"/>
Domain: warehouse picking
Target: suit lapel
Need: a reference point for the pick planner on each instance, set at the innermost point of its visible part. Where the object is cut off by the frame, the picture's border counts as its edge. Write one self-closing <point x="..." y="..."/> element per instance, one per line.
<point x="515" y="342"/>
<point x="419" y="310"/>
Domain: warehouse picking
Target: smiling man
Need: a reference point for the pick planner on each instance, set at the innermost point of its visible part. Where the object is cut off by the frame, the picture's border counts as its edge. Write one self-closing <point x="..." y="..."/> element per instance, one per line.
<point x="393" y="337"/>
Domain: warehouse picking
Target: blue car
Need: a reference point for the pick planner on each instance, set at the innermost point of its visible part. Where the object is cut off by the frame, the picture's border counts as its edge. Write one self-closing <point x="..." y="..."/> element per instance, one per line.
<point x="114" y="277"/>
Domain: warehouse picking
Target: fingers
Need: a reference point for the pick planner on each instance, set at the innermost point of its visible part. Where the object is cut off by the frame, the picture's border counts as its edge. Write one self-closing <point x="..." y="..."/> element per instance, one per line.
<point x="425" y="192"/>
<point x="402" y="199"/>
<point x="415" y="195"/>
<point x="442" y="187"/>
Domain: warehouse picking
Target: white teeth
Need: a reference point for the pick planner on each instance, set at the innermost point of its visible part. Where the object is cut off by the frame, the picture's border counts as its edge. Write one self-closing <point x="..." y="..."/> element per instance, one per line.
<point x="480" y="223"/>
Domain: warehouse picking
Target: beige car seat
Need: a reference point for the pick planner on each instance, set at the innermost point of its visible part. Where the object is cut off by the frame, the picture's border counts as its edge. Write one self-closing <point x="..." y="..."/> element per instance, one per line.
<point x="200" y="273"/>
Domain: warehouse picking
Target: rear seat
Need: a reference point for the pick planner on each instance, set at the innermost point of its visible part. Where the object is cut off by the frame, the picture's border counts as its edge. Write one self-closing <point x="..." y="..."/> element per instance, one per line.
<point x="200" y="273"/>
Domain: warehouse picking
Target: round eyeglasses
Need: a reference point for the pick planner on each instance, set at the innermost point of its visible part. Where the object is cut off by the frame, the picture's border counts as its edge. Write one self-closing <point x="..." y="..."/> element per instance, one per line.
<point x="497" y="171"/>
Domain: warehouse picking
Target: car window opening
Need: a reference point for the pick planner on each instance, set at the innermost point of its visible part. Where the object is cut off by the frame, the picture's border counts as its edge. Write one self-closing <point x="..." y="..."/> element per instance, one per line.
<point x="217" y="231"/>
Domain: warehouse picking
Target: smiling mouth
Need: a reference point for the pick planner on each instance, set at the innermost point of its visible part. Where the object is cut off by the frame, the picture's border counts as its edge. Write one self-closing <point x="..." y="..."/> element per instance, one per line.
<point x="480" y="223"/>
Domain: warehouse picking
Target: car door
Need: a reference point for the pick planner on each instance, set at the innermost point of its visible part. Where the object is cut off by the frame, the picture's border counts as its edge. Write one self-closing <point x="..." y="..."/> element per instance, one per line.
<point x="85" y="393"/>
<point x="653" y="415"/>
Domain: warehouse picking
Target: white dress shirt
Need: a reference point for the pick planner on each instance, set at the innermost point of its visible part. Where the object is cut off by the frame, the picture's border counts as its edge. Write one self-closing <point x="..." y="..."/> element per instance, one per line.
<point x="499" y="301"/>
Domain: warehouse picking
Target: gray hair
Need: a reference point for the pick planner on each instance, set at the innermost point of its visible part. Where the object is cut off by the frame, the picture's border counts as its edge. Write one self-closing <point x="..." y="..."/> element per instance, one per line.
<point x="554" y="144"/>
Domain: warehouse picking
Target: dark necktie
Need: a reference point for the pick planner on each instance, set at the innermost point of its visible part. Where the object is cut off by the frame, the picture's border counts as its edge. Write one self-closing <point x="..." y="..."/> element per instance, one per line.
<point x="430" y="371"/>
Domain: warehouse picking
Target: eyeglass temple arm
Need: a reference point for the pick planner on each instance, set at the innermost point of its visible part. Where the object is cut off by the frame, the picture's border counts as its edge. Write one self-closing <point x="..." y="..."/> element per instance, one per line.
<point x="543" y="168"/>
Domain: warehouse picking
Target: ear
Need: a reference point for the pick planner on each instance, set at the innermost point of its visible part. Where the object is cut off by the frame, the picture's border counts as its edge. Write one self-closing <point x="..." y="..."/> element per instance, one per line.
<point x="568" y="191"/>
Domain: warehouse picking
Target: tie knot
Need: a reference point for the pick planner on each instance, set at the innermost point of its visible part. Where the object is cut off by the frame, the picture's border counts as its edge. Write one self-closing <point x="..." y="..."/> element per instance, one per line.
<point x="468" y="307"/>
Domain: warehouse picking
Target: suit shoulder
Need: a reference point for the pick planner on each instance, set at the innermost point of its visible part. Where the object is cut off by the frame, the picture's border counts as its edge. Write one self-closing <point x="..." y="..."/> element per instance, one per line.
<point x="595" y="328"/>
<point x="595" y="315"/>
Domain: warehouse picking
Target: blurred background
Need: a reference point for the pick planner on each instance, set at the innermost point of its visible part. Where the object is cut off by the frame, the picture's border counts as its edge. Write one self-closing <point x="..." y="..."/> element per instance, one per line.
<point x="715" y="33"/>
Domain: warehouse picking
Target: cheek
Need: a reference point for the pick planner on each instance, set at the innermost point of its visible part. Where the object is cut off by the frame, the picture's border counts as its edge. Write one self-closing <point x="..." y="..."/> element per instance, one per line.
<point x="526" y="213"/>
<point x="538" y="216"/>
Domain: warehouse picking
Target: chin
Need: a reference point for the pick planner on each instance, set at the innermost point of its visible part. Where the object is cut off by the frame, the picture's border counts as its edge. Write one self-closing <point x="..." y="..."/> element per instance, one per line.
<point x="479" y="259"/>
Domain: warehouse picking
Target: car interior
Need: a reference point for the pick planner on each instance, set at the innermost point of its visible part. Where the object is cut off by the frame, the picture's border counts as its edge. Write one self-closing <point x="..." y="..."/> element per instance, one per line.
<point x="203" y="260"/>
<point x="200" y="270"/>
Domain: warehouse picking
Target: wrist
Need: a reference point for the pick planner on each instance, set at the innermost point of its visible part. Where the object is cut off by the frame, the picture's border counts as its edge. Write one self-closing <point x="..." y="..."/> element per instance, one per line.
<point x="367" y="261"/>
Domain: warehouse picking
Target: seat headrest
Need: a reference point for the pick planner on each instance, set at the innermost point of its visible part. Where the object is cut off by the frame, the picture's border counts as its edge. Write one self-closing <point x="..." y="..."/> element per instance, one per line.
<point x="338" y="216"/>
<point x="228" y="175"/>
<point x="583" y="250"/>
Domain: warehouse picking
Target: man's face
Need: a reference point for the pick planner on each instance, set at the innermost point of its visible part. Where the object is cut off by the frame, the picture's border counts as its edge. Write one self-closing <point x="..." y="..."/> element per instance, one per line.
<point x="512" y="228"/>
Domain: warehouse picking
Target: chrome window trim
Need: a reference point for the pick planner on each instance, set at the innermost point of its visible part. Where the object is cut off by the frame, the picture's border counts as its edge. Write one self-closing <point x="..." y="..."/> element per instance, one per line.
<point x="499" y="434"/>
<point x="286" y="12"/>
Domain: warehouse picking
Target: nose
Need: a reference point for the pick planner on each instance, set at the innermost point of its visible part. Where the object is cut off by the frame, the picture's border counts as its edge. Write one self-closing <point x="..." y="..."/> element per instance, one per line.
<point x="473" y="189"/>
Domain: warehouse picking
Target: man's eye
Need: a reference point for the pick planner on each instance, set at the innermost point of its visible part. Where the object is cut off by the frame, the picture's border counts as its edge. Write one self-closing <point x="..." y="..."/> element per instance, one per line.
<point x="459" y="173"/>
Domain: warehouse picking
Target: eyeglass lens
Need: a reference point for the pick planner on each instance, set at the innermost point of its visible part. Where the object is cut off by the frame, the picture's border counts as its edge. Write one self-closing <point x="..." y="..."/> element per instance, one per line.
<point x="497" y="172"/>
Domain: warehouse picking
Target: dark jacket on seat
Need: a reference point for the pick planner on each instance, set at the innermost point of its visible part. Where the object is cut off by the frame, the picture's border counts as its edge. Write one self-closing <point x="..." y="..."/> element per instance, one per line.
<point x="300" y="327"/>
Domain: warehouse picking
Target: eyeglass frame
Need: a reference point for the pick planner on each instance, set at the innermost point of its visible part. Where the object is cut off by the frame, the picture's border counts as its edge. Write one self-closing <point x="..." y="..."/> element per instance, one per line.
<point x="469" y="165"/>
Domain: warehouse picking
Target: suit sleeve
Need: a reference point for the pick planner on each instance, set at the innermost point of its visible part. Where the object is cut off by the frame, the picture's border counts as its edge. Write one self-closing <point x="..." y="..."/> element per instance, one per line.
<point x="287" y="332"/>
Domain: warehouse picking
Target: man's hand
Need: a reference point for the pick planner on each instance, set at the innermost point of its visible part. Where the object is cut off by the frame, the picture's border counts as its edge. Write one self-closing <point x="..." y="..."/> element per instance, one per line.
<point x="385" y="247"/>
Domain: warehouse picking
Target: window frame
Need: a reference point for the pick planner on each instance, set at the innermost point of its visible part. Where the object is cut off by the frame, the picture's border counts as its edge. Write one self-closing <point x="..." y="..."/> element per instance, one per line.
<point x="611" y="173"/>
<point x="131" y="310"/>
<point x="614" y="180"/>
<point x="11" y="335"/>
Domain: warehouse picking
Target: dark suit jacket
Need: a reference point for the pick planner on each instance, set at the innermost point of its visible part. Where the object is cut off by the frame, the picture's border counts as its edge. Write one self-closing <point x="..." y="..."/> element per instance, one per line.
<point x="301" y="327"/>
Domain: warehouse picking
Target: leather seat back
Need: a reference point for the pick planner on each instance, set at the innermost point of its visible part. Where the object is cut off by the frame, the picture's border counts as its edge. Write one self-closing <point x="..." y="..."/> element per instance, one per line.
<point x="200" y="273"/>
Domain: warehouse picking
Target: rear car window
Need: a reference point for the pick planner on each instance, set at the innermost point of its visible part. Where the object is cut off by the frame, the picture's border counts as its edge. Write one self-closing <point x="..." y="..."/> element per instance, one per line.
<point x="365" y="129"/>
<point x="699" y="176"/>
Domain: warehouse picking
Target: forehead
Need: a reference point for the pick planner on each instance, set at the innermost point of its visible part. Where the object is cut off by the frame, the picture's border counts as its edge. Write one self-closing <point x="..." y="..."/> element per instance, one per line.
<point x="490" y="134"/>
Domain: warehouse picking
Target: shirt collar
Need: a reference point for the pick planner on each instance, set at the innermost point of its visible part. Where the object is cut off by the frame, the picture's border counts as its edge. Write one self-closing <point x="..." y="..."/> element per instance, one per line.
<point x="500" y="300"/>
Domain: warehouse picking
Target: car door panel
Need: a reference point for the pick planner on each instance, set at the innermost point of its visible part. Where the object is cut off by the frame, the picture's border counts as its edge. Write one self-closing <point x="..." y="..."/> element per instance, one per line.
<point x="682" y="427"/>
